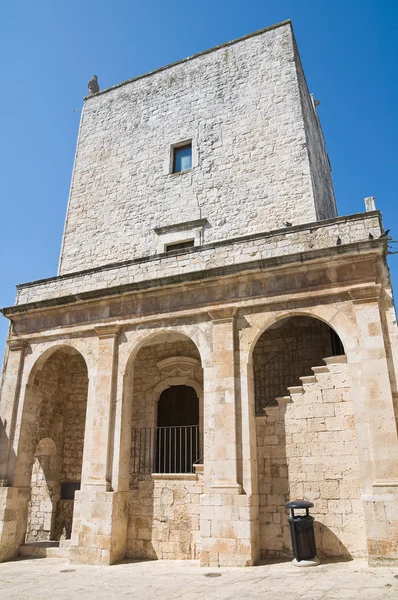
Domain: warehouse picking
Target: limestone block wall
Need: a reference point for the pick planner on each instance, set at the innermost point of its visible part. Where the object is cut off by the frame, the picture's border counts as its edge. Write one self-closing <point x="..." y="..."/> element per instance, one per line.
<point x="307" y="448"/>
<point x="164" y="518"/>
<point x="240" y="104"/>
<point x="44" y="493"/>
<point x="57" y="406"/>
<point x="304" y="238"/>
<point x="321" y="173"/>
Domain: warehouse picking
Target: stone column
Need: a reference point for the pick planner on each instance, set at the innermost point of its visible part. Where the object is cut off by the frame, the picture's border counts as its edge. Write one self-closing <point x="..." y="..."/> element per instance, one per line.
<point x="228" y="516"/>
<point x="9" y="404"/>
<point x="13" y="501"/>
<point x="376" y="430"/>
<point x="100" y="514"/>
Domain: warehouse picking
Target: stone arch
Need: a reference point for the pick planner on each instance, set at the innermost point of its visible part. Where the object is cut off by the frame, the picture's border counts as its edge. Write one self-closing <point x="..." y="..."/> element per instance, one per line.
<point x="141" y="337"/>
<point x="335" y="318"/>
<point x="288" y="349"/>
<point x="54" y="406"/>
<point x="301" y="435"/>
<point x="158" y="362"/>
<point x="42" y="352"/>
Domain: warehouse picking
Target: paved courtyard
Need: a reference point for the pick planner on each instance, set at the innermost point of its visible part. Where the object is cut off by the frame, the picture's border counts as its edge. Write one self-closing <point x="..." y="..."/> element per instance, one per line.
<point x="164" y="580"/>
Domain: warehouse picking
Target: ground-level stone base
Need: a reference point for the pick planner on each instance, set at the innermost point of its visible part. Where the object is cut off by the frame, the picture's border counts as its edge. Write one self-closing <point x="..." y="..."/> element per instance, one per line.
<point x="229" y="530"/>
<point x="99" y="526"/>
<point x="13" y="516"/>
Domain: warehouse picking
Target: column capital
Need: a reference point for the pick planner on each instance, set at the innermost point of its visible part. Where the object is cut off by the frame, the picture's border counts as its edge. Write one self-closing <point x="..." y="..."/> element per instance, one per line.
<point x="107" y="331"/>
<point x="366" y="294"/>
<point x="16" y="344"/>
<point x="223" y="315"/>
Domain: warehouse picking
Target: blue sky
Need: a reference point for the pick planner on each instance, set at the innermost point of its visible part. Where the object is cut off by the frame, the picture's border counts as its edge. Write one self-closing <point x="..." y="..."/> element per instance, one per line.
<point x="49" y="50"/>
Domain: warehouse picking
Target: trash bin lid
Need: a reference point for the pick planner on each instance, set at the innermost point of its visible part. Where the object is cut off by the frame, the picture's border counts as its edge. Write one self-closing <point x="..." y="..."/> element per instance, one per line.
<point x="299" y="504"/>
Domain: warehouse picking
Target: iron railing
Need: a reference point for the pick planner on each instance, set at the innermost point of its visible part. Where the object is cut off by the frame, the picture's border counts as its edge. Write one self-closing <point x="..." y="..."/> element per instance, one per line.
<point x="165" y="449"/>
<point x="294" y="360"/>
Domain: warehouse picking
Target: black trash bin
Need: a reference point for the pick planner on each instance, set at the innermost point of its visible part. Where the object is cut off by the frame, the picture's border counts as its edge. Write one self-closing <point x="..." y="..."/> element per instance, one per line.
<point x="302" y="531"/>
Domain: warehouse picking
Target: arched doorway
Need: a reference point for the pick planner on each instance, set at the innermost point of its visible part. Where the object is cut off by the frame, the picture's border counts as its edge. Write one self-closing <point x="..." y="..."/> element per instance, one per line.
<point x="287" y="351"/>
<point x="177" y="443"/>
<point x="306" y="438"/>
<point x="165" y="388"/>
<point x="50" y="453"/>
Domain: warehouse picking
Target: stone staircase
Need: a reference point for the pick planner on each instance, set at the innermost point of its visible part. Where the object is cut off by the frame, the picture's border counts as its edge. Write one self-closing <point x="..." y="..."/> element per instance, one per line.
<point x="45" y="549"/>
<point x="331" y="374"/>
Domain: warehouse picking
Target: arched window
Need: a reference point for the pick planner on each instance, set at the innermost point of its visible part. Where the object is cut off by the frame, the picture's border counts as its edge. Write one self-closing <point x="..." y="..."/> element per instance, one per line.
<point x="177" y="443"/>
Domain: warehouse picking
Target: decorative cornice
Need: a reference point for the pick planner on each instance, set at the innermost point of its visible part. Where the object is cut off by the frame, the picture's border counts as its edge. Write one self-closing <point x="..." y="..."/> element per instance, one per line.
<point x="223" y="315"/>
<point x="107" y="331"/>
<point x="366" y="294"/>
<point x="16" y="344"/>
<point x="270" y="264"/>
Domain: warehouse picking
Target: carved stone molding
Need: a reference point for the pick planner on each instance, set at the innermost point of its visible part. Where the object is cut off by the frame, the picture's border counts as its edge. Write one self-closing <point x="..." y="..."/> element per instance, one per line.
<point x="107" y="331"/>
<point x="16" y="344"/>
<point x="223" y="315"/>
<point x="366" y="294"/>
<point x="178" y="366"/>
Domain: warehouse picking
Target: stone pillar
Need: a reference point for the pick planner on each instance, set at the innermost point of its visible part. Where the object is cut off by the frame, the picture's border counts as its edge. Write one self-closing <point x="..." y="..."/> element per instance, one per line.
<point x="13" y="501"/>
<point x="100" y="514"/>
<point x="376" y="430"/>
<point x="9" y="405"/>
<point x="228" y="516"/>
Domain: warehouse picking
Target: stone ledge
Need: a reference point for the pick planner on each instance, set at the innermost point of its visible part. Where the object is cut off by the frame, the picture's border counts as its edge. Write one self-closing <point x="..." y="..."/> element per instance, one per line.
<point x="177" y="476"/>
<point x="191" y="277"/>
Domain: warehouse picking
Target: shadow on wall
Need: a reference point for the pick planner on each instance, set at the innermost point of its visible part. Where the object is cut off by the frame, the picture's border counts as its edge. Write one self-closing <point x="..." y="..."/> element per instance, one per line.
<point x="329" y="547"/>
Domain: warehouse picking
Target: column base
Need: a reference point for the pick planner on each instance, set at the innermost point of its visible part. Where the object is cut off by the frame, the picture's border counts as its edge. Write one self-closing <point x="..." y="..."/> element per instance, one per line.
<point x="229" y="528"/>
<point x="13" y="516"/>
<point x="381" y="517"/>
<point x="99" y="526"/>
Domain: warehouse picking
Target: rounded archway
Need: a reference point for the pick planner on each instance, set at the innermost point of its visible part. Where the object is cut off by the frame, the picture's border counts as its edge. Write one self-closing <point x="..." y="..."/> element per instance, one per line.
<point x="288" y="350"/>
<point x="50" y="450"/>
<point x="165" y="390"/>
<point x="166" y="393"/>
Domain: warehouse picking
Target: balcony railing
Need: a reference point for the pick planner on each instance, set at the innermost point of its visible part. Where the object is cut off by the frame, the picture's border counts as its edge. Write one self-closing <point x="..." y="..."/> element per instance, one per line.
<point x="165" y="449"/>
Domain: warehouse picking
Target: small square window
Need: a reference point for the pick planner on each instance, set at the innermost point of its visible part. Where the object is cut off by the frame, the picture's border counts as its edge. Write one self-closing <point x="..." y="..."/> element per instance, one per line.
<point x="182" y="158"/>
<point x="179" y="245"/>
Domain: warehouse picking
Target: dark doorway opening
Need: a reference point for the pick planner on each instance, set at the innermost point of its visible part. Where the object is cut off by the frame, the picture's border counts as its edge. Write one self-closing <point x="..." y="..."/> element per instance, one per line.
<point x="177" y="447"/>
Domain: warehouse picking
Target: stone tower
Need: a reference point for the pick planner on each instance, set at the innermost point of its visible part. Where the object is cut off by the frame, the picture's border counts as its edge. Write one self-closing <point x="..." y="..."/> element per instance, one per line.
<point x="217" y="340"/>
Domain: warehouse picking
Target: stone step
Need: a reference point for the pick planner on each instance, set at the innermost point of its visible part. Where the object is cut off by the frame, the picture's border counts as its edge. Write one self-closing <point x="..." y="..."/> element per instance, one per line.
<point x="308" y="379"/>
<point x="321" y="369"/>
<point x="45" y="549"/>
<point x="61" y="552"/>
<point x="296" y="389"/>
<point x="334" y="360"/>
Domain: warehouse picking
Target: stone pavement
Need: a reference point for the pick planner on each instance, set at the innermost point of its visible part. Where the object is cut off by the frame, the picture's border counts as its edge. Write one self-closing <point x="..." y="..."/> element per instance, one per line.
<point x="38" y="579"/>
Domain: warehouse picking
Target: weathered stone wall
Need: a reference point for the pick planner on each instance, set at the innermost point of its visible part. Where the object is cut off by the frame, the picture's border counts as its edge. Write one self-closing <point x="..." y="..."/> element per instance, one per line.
<point x="75" y="403"/>
<point x="164" y="518"/>
<point x="292" y="240"/>
<point x="58" y="406"/>
<point x="308" y="449"/>
<point x="240" y="106"/>
<point x="321" y="173"/>
<point x="44" y="492"/>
